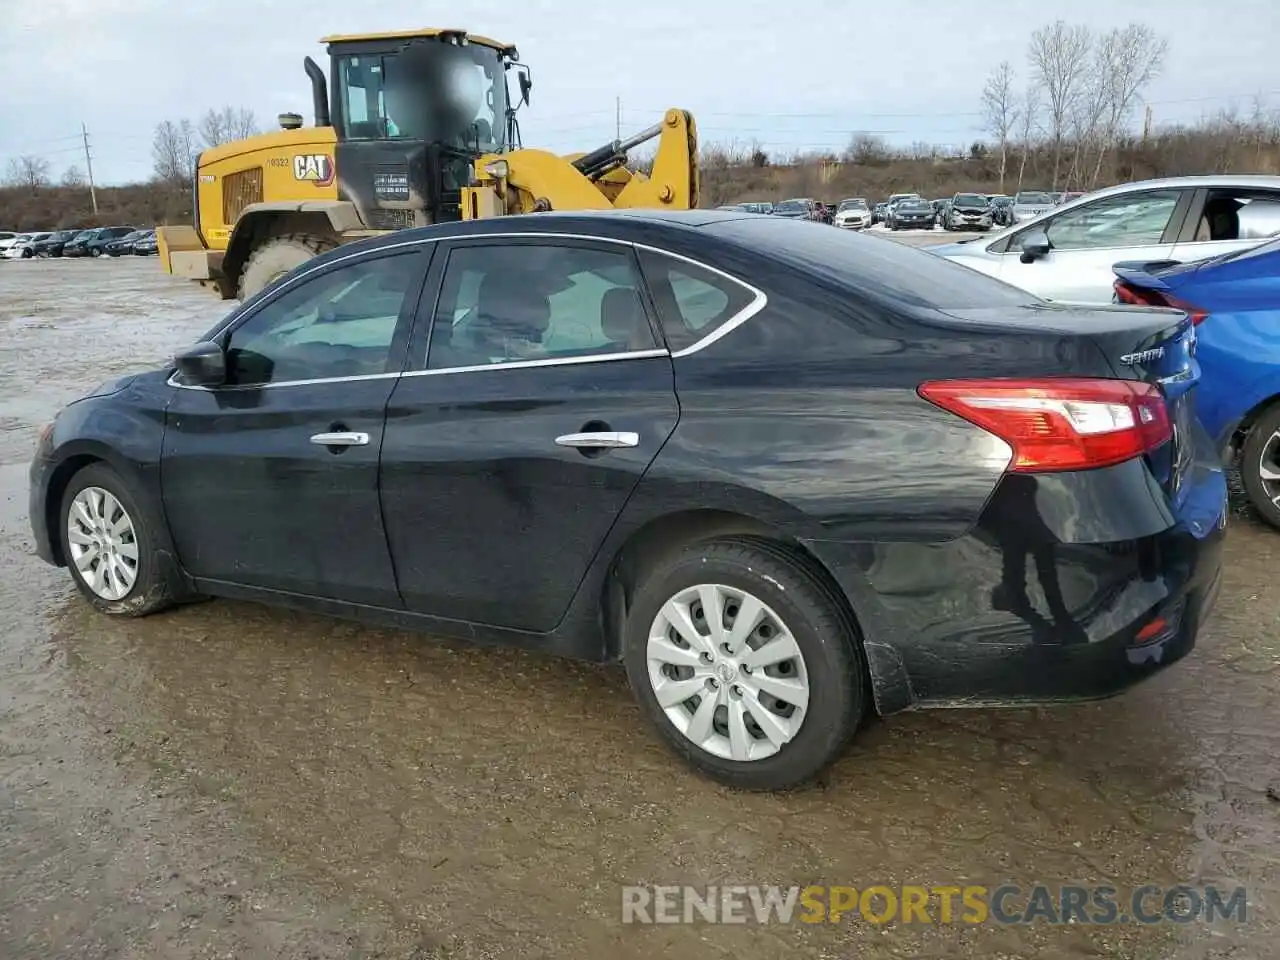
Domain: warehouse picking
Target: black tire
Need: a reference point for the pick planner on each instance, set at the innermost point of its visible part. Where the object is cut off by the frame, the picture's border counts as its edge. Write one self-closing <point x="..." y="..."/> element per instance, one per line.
<point x="150" y="591"/>
<point x="1255" y="445"/>
<point x="827" y="640"/>
<point x="278" y="256"/>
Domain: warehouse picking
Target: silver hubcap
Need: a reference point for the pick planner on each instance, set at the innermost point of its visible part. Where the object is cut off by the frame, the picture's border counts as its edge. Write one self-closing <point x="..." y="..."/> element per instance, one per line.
<point x="104" y="547"/>
<point x="1269" y="468"/>
<point x="727" y="672"/>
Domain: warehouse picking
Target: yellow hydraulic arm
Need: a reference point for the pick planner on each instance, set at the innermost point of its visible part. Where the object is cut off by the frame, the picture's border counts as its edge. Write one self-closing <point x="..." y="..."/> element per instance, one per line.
<point x="529" y="181"/>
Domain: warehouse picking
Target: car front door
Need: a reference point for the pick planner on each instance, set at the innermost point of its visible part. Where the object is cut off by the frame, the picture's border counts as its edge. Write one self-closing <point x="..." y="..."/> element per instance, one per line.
<point x="271" y="480"/>
<point x="540" y="400"/>
<point x="1087" y="240"/>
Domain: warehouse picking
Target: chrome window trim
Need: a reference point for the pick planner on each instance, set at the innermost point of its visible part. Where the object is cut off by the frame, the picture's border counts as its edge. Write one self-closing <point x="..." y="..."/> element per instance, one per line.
<point x="543" y="362"/>
<point x="759" y="300"/>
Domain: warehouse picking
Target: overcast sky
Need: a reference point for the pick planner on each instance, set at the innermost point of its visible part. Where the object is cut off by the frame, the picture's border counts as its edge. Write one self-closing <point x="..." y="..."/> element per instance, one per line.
<point x="793" y="74"/>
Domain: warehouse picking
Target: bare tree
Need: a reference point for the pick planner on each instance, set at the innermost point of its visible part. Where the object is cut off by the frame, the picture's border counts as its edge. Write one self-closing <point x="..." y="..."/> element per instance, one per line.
<point x="866" y="148"/>
<point x="1000" y="111"/>
<point x="1127" y="60"/>
<point x="73" y="176"/>
<point x="1028" y="118"/>
<point x="1059" y="57"/>
<point x="173" y="152"/>
<point x="29" y="172"/>
<point x="229" y="123"/>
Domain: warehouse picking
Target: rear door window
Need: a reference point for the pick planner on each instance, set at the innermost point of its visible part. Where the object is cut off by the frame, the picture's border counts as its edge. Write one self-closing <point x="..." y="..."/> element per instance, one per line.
<point x="693" y="302"/>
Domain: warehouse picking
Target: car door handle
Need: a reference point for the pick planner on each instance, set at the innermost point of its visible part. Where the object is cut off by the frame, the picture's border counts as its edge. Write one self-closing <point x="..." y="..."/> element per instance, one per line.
<point x="599" y="440"/>
<point x="341" y="439"/>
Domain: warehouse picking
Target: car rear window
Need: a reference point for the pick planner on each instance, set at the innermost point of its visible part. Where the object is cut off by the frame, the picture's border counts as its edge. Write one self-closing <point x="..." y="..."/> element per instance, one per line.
<point x="880" y="269"/>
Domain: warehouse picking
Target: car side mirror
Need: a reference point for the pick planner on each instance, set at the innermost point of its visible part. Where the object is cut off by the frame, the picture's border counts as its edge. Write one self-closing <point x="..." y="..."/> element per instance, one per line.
<point x="203" y="364"/>
<point x="1035" y="244"/>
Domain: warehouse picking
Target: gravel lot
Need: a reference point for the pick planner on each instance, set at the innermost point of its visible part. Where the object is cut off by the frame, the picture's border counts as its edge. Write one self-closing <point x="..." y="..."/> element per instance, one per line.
<point x="227" y="780"/>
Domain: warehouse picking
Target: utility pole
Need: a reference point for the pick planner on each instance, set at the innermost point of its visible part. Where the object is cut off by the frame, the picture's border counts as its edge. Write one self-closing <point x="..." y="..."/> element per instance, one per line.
<point x="88" y="162"/>
<point x="617" y="122"/>
<point x="1146" y="124"/>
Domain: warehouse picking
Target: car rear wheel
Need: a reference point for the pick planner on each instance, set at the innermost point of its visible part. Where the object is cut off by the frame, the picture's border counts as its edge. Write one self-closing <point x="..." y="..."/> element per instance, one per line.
<point x="109" y="543"/>
<point x="1260" y="465"/>
<point x="744" y="662"/>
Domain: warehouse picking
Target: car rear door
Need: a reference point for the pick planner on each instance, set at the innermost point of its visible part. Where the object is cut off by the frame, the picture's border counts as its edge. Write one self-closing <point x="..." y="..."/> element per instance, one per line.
<point x="1225" y="220"/>
<point x="1086" y="240"/>
<point x="541" y="395"/>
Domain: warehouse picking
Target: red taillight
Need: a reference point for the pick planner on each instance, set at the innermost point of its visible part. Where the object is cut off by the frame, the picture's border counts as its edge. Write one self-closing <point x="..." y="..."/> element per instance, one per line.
<point x="1154" y="298"/>
<point x="1060" y="423"/>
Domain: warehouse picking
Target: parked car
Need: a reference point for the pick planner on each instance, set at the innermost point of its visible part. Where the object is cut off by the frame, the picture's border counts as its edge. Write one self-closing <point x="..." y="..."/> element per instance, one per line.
<point x="145" y="246"/>
<point x="939" y="206"/>
<point x="7" y="235"/>
<point x="802" y="208"/>
<point x="968" y="211"/>
<point x="758" y="206"/>
<point x="123" y="246"/>
<point x="1001" y="210"/>
<point x="78" y="245"/>
<point x="51" y="246"/>
<point x="1234" y="300"/>
<point x="700" y="470"/>
<point x="894" y="200"/>
<point x="97" y="246"/>
<point x="12" y="240"/>
<point x="24" y="248"/>
<point x="1067" y="253"/>
<point x="911" y="214"/>
<point x="853" y="214"/>
<point x="1029" y="204"/>
<point x="1068" y="196"/>
<point x="879" y="212"/>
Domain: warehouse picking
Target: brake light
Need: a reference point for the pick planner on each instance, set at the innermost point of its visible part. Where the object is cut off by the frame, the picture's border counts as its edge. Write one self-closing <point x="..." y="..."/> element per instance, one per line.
<point x="1154" y="298"/>
<point x="1060" y="423"/>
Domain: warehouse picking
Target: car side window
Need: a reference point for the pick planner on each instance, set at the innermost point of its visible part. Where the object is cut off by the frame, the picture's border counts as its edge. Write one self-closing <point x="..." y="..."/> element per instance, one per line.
<point x="338" y="324"/>
<point x="692" y="301"/>
<point x="1129" y="220"/>
<point x="1238" y="215"/>
<point x="511" y="302"/>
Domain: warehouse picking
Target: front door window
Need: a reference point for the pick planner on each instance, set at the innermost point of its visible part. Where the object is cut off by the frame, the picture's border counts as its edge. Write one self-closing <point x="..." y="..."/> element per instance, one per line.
<point x="1128" y="220"/>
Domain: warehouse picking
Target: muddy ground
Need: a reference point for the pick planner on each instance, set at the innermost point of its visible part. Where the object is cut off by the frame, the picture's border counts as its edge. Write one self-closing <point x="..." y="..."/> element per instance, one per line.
<point x="228" y="780"/>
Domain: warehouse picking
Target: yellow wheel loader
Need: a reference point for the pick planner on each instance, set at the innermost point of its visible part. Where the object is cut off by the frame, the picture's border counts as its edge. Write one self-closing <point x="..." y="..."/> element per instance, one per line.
<point x="411" y="128"/>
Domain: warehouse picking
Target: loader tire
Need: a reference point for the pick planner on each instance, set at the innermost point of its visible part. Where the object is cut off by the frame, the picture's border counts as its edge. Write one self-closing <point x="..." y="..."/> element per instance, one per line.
<point x="277" y="256"/>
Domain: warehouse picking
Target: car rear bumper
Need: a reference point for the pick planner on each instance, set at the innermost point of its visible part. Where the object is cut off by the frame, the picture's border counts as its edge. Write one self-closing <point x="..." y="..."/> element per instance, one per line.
<point x="1070" y="586"/>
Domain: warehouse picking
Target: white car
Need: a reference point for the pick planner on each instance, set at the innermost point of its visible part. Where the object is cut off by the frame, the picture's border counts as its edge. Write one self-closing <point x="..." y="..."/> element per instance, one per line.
<point x="853" y="214"/>
<point x="1067" y="252"/>
<point x="21" y="246"/>
<point x="11" y="240"/>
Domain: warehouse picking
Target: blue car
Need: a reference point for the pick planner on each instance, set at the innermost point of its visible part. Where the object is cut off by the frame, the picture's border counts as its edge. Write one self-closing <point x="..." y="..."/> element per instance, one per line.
<point x="1234" y="301"/>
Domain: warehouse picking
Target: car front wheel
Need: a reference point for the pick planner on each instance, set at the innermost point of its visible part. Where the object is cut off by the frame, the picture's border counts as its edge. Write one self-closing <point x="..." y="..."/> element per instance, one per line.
<point x="745" y="663"/>
<point x="1260" y="466"/>
<point x="109" y="543"/>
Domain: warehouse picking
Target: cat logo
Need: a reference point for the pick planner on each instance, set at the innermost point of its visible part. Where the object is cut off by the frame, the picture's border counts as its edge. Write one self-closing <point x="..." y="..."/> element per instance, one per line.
<point x="315" y="167"/>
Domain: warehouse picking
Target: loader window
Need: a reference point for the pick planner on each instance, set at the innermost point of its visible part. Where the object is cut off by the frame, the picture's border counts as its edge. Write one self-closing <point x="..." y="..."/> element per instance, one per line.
<point x="426" y="90"/>
<point x="503" y="303"/>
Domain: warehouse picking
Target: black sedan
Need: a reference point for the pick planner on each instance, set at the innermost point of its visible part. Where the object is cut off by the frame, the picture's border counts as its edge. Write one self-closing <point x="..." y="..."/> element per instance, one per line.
<point x="911" y="215"/>
<point x="51" y="246"/>
<point x="123" y="246"/>
<point x="786" y="476"/>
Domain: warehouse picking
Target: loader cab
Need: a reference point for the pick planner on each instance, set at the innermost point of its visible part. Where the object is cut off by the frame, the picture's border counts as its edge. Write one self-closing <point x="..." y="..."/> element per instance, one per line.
<point x="411" y="112"/>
